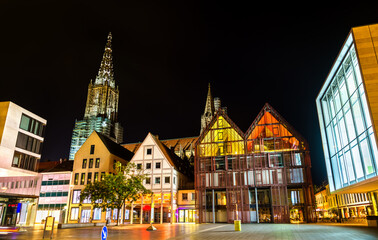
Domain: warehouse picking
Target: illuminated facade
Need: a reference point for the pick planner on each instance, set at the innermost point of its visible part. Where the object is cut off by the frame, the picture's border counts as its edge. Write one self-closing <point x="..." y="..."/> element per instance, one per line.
<point x="54" y="192"/>
<point x="166" y="174"/>
<point x="260" y="176"/>
<point x="101" y="111"/>
<point x="348" y="116"/>
<point x="346" y="207"/>
<point x="21" y="140"/>
<point x="95" y="159"/>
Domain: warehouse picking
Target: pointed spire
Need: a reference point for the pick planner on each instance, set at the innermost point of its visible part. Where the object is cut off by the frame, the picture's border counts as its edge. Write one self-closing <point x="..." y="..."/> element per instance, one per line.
<point x="105" y="73"/>
<point x="209" y="108"/>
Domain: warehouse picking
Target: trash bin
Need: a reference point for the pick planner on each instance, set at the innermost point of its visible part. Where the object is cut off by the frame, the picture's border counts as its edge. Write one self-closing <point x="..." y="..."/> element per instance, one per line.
<point x="237" y="224"/>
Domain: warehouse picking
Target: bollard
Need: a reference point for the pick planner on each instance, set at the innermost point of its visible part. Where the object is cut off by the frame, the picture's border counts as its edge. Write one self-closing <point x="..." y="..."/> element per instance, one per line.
<point x="237" y="224"/>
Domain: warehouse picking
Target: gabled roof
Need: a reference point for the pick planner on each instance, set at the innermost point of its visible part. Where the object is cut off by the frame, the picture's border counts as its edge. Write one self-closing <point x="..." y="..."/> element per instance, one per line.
<point x="115" y="148"/>
<point x="222" y="113"/>
<point x="175" y="144"/>
<point x="178" y="163"/>
<point x="268" y="108"/>
<point x="65" y="166"/>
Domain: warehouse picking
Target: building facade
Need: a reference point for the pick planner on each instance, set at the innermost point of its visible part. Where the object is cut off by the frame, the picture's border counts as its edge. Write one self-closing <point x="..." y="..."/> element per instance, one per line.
<point x="186" y="206"/>
<point x="260" y="176"/>
<point x="101" y="111"/>
<point x="346" y="207"/>
<point x="54" y="192"/>
<point x="348" y="116"/>
<point x="21" y="140"/>
<point x="95" y="158"/>
<point x="166" y="174"/>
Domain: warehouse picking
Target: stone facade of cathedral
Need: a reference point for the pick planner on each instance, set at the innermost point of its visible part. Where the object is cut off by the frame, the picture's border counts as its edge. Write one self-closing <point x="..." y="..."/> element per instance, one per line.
<point x="101" y="111"/>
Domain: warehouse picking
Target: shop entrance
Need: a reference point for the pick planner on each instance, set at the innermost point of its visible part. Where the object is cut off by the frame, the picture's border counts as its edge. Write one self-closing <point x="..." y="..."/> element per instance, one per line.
<point x="263" y="208"/>
<point x="186" y="215"/>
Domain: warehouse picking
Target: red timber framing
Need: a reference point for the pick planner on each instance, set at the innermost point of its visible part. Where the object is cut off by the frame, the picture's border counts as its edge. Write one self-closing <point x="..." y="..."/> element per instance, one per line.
<point x="260" y="176"/>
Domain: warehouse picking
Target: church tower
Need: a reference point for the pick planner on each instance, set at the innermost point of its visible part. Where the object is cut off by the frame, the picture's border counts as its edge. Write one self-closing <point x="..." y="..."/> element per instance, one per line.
<point x="209" y="110"/>
<point x="101" y="110"/>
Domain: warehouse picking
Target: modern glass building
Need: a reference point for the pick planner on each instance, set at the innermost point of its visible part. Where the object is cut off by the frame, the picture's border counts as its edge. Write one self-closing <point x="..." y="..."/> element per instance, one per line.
<point x="348" y="114"/>
<point x="261" y="176"/>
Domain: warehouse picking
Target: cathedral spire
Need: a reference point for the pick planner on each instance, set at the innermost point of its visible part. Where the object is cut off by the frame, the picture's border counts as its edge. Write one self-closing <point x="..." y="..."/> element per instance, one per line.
<point x="105" y="73"/>
<point x="209" y="107"/>
<point x="209" y="110"/>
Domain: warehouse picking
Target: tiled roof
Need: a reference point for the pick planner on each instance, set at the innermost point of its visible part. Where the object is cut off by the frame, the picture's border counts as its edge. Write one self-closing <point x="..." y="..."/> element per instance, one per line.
<point x="116" y="148"/>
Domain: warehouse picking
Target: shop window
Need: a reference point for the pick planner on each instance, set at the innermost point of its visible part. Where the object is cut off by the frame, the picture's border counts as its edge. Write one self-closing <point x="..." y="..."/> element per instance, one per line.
<point x="74" y="214"/>
<point x="76" y="196"/>
<point x="97" y="214"/>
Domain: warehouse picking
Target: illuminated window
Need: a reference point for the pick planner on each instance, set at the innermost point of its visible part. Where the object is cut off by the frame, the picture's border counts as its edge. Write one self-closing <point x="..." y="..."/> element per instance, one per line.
<point x="76" y="196"/>
<point x="90" y="165"/>
<point x="97" y="214"/>
<point x="97" y="164"/>
<point x="347" y="125"/>
<point x="89" y="178"/>
<point x="74" y="213"/>
<point x="84" y="164"/>
<point x="76" y="179"/>
<point x="82" y="179"/>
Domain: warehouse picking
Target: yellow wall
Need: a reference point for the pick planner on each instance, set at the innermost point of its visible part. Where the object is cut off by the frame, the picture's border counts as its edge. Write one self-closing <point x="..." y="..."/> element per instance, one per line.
<point x="106" y="165"/>
<point x="3" y="116"/>
<point x="366" y="41"/>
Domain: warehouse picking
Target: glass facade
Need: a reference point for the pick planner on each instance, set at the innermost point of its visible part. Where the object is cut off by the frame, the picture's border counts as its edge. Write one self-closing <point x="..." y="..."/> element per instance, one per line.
<point x="249" y="176"/>
<point x="349" y="135"/>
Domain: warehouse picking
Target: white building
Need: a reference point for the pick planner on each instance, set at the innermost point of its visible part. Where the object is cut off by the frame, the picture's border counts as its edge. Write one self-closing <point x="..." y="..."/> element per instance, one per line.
<point x="21" y="138"/>
<point x="167" y="173"/>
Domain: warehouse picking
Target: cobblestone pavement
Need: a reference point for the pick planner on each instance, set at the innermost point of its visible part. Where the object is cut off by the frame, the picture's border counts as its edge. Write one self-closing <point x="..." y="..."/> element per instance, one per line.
<point x="209" y="232"/>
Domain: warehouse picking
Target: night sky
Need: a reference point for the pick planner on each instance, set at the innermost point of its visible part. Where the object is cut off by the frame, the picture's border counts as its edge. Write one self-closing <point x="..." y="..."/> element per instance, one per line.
<point x="164" y="57"/>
